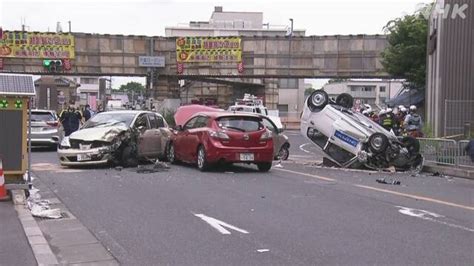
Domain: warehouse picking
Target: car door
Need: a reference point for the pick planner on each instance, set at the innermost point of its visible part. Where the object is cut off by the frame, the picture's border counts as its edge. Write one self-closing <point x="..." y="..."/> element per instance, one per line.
<point x="145" y="135"/>
<point x="181" y="149"/>
<point x="278" y="139"/>
<point x="153" y="136"/>
<point x="195" y="136"/>
<point x="164" y="134"/>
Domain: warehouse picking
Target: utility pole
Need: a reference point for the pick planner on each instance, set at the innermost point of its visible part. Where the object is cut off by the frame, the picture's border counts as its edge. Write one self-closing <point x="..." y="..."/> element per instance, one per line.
<point x="289" y="48"/>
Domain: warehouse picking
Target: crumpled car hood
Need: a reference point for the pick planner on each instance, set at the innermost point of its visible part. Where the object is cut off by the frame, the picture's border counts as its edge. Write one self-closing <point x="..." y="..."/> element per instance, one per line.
<point x="106" y="134"/>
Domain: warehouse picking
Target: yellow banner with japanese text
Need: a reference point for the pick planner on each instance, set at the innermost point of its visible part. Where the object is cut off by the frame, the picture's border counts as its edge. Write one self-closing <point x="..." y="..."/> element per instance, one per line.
<point x="19" y="44"/>
<point x="208" y="49"/>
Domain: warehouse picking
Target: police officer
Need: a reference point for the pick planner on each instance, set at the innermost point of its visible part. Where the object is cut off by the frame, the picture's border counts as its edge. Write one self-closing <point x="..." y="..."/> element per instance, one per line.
<point x="70" y="119"/>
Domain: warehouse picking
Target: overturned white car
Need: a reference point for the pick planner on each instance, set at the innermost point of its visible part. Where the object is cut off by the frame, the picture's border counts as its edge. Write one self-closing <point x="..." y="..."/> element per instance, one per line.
<point x="351" y="140"/>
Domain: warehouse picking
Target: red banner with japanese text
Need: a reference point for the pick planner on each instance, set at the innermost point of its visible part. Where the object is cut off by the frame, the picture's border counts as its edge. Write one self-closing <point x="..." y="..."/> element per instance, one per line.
<point x="21" y="44"/>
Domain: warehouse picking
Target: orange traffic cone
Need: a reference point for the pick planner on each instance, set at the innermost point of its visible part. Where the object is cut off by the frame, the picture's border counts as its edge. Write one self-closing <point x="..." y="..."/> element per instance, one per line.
<point x="3" y="191"/>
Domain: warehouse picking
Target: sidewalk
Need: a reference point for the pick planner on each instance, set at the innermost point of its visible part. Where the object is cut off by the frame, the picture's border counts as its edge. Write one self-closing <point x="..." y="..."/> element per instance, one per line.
<point x="14" y="246"/>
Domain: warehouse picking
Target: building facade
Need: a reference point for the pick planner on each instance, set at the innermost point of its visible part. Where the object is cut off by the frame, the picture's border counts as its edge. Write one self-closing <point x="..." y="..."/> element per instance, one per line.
<point x="450" y="64"/>
<point x="222" y="23"/>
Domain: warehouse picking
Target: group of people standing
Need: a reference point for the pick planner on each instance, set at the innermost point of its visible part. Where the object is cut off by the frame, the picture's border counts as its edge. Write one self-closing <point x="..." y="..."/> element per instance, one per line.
<point x="72" y="118"/>
<point x="403" y="122"/>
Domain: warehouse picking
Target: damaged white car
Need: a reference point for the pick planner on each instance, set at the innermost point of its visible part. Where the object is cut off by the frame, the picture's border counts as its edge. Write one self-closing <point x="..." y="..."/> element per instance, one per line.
<point x="119" y="137"/>
<point x="351" y="140"/>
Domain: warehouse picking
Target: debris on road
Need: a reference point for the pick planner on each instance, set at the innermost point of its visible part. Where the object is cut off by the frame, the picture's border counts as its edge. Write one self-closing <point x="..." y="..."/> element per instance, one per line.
<point x="156" y="167"/>
<point x="388" y="182"/>
<point x="40" y="208"/>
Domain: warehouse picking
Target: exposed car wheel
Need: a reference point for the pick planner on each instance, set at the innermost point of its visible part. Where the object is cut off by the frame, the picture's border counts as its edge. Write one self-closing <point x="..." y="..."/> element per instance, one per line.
<point x="412" y="144"/>
<point x="201" y="159"/>
<point x="284" y="153"/>
<point x="378" y="142"/>
<point x="129" y="158"/>
<point x="170" y="154"/>
<point x="318" y="99"/>
<point x="264" y="167"/>
<point x="345" y="100"/>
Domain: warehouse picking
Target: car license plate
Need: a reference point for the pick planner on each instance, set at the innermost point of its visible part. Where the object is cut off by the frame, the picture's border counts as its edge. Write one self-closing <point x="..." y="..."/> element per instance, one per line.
<point x="246" y="157"/>
<point x="83" y="157"/>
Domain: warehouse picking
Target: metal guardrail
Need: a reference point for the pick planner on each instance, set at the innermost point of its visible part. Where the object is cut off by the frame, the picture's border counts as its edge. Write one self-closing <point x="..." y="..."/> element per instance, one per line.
<point x="445" y="152"/>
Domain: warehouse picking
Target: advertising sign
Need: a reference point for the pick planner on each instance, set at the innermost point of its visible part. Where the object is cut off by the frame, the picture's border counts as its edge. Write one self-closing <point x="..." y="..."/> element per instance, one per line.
<point x="36" y="45"/>
<point x="208" y="49"/>
<point x="151" y="61"/>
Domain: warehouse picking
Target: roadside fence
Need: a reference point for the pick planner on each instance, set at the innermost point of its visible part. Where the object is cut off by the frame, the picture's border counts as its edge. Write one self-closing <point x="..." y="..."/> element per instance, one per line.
<point x="445" y="152"/>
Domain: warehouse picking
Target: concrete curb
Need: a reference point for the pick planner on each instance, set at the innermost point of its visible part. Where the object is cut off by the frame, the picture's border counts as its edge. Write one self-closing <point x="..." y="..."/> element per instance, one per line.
<point x="41" y="249"/>
<point x="451" y="171"/>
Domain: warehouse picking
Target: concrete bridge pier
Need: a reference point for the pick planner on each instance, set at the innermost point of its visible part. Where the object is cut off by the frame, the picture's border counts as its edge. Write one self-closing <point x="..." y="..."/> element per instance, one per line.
<point x="165" y="88"/>
<point x="271" y="93"/>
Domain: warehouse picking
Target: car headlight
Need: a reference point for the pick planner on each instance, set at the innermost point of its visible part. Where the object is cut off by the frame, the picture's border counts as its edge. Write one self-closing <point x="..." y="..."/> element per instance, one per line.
<point x="65" y="143"/>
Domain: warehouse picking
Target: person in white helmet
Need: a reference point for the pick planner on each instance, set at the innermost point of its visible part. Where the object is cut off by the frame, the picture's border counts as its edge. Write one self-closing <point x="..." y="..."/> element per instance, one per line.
<point x="413" y="123"/>
<point x="386" y="119"/>
<point x="399" y="119"/>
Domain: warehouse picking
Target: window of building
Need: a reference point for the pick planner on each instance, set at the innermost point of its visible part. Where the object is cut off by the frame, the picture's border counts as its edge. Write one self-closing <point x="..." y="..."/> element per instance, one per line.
<point x="382" y="88"/>
<point x="288" y="83"/>
<point x="89" y="81"/>
<point x="283" y="108"/>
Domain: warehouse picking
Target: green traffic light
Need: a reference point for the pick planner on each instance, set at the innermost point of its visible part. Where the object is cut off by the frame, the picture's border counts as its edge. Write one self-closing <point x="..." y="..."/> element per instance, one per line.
<point x="47" y="63"/>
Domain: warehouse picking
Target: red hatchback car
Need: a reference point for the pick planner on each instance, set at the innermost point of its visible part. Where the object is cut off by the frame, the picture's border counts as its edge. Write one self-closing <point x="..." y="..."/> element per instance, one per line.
<point x="213" y="137"/>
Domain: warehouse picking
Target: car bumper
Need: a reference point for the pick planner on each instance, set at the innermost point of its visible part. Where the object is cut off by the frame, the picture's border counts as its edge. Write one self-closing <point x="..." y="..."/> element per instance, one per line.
<point x="45" y="138"/>
<point x="98" y="156"/>
<point x="220" y="153"/>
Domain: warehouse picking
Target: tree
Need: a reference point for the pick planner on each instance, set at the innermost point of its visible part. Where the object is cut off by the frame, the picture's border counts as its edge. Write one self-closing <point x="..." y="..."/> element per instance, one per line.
<point x="405" y="56"/>
<point x="132" y="86"/>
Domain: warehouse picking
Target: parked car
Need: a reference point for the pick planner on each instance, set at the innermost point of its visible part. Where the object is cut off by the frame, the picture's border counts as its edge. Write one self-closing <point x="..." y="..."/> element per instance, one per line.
<point x="212" y="137"/>
<point x="122" y="137"/>
<point x="44" y="128"/>
<point x="352" y="140"/>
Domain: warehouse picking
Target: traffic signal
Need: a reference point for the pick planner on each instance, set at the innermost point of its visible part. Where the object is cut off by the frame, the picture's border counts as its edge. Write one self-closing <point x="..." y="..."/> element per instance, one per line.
<point x="55" y="65"/>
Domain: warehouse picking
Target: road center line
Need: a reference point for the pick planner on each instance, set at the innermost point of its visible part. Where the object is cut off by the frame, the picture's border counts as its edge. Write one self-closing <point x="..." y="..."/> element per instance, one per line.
<point x="418" y="197"/>
<point x="411" y="196"/>
<point x="310" y="175"/>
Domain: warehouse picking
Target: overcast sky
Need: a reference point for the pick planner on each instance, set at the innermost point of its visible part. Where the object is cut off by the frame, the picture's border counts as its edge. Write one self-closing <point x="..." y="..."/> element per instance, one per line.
<point x="147" y="17"/>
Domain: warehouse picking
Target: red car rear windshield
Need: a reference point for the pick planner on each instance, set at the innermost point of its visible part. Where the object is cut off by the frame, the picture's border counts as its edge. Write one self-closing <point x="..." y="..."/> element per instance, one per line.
<point x="240" y="123"/>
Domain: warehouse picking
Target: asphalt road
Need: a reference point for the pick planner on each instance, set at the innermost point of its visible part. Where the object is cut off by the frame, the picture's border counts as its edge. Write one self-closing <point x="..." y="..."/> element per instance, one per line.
<point x="300" y="214"/>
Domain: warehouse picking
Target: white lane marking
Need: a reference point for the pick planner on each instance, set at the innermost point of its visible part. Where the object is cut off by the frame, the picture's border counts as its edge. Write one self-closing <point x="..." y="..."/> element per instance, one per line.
<point x="219" y="225"/>
<point x="303" y="149"/>
<point x="309" y="175"/>
<point x="411" y="196"/>
<point x="416" y="197"/>
<point x="56" y="168"/>
<point x="262" y="250"/>
<point x="430" y="216"/>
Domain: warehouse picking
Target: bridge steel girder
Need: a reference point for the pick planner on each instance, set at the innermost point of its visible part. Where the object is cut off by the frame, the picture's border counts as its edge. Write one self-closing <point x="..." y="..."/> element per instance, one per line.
<point x="351" y="56"/>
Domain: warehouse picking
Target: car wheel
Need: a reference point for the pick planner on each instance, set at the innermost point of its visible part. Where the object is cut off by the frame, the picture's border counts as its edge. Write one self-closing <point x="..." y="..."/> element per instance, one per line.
<point x="345" y="100"/>
<point x="318" y="99"/>
<point x="201" y="159"/>
<point x="284" y="153"/>
<point x="378" y="142"/>
<point x="129" y="158"/>
<point x="264" y="167"/>
<point x="170" y="154"/>
<point x="412" y="144"/>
